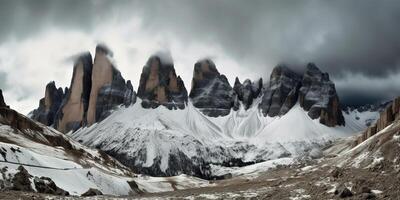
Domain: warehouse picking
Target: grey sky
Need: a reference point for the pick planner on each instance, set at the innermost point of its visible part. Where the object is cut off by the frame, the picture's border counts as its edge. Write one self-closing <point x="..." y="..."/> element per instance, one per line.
<point x="356" y="41"/>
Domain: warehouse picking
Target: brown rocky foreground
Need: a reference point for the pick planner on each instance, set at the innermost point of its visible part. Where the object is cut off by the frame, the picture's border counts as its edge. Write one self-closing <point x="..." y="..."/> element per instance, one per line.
<point x="316" y="180"/>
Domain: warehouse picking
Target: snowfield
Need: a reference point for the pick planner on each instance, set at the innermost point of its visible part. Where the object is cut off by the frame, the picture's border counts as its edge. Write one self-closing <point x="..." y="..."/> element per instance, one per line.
<point x="166" y="142"/>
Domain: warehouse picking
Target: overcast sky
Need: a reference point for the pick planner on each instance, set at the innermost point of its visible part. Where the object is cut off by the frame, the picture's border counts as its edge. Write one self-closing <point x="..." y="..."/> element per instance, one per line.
<point x="357" y="42"/>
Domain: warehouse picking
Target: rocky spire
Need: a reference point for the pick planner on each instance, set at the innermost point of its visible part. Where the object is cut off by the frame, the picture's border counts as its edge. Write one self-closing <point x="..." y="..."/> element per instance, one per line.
<point x="72" y="113"/>
<point x="247" y="91"/>
<point x="159" y="85"/>
<point x="318" y="96"/>
<point x="49" y="105"/>
<point x="211" y="92"/>
<point x="2" y="103"/>
<point x="280" y="95"/>
<point x="108" y="88"/>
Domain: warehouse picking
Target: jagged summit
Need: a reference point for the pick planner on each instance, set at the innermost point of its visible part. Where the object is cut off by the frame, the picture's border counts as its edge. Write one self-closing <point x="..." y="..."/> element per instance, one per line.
<point x="159" y="85"/>
<point x="2" y="102"/>
<point x="247" y="91"/>
<point x="313" y="90"/>
<point x="96" y="89"/>
<point x="48" y="106"/>
<point x="211" y="91"/>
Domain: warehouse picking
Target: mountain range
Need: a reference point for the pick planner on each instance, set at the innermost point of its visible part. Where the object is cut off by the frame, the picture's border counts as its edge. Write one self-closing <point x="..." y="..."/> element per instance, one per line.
<point x="100" y="130"/>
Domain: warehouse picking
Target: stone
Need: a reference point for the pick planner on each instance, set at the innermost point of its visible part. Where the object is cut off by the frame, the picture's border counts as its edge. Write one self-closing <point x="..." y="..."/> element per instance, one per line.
<point x="318" y="96"/>
<point x="49" y="105"/>
<point x="21" y="180"/>
<point x="281" y="94"/>
<point x="247" y="91"/>
<point x="159" y="85"/>
<point x="343" y="192"/>
<point x="73" y="111"/>
<point x="2" y="103"/>
<point x="47" y="186"/>
<point x="92" y="192"/>
<point x="211" y="92"/>
<point x="108" y="89"/>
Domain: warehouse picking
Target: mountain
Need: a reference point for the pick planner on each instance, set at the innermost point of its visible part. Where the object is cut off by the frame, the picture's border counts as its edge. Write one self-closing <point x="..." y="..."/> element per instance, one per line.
<point x="37" y="158"/>
<point x="96" y="89"/>
<point x="219" y="127"/>
<point x="159" y="85"/>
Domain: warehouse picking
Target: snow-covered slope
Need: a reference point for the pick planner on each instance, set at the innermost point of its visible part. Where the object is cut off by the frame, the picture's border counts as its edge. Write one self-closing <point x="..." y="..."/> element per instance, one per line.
<point x="45" y="152"/>
<point x="360" y="119"/>
<point x="170" y="142"/>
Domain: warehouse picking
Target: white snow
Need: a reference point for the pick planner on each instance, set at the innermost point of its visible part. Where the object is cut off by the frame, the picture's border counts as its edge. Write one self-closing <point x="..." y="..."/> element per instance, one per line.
<point x="243" y="134"/>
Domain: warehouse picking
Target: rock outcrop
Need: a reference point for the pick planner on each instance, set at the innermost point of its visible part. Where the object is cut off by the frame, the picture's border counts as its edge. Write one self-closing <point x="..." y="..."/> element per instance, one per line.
<point x="282" y="92"/>
<point x="2" y="103"/>
<point x="95" y="90"/>
<point x="390" y="114"/>
<point x="318" y="96"/>
<point x="108" y="87"/>
<point x="159" y="85"/>
<point x="49" y="105"/>
<point x="247" y="91"/>
<point x="72" y="113"/>
<point x="313" y="90"/>
<point x="211" y="91"/>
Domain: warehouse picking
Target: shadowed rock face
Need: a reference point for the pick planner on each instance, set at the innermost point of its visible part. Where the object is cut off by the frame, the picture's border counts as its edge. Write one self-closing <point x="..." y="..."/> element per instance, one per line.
<point x="159" y="85"/>
<point x="108" y="87"/>
<point x="247" y="91"/>
<point x="318" y="96"/>
<point x="72" y="113"/>
<point x="49" y="105"/>
<point x="314" y="92"/>
<point x="281" y="93"/>
<point x="2" y="103"/>
<point x="211" y="92"/>
<point x="390" y="114"/>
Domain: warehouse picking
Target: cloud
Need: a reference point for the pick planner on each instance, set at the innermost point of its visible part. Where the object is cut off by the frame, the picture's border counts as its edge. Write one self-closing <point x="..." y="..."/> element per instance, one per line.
<point x="355" y="41"/>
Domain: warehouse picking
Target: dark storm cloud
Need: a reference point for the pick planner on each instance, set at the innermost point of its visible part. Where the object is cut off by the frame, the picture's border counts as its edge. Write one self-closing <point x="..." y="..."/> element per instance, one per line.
<point x="342" y="37"/>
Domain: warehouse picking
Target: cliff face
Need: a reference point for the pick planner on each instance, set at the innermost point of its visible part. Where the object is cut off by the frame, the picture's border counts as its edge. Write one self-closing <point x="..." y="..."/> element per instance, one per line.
<point x="247" y="91"/>
<point x="318" y="96"/>
<point x="390" y="114"/>
<point x="211" y="92"/>
<point x="72" y="113"/>
<point x="95" y="90"/>
<point x="49" y="105"/>
<point x="282" y="92"/>
<point x="313" y="90"/>
<point x="159" y="85"/>
<point x="2" y="103"/>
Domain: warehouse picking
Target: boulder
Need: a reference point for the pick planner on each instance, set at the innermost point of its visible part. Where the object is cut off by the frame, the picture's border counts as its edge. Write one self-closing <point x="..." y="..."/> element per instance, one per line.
<point x="281" y="94"/>
<point x="211" y="92"/>
<point x="72" y="112"/>
<point x="92" y="192"/>
<point x="159" y="85"/>
<point x="49" y="105"/>
<point x="21" y="180"/>
<point x="47" y="186"/>
<point x="342" y="191"/>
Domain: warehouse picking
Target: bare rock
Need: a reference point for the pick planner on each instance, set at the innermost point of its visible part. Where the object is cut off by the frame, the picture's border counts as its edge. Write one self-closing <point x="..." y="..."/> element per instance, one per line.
<point x="47" y="186"/>
<point x="211" y="92"/>
<point x="159" y="85"/>
<point x="2" y="103"/>
<point x="21" y="180"/>
<point x="318" y="96"/>
<point x="72" y="112"/>
<point x="92" y="192"/>
<point x="282" y="92"/>
<point x="343" y="192"/>
<point x="247" y="91"/>
<point x="49" y="105"/>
